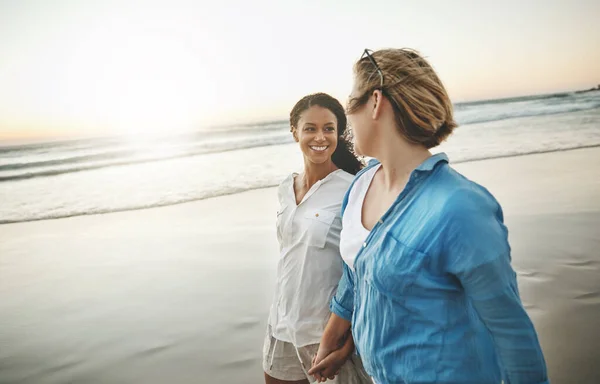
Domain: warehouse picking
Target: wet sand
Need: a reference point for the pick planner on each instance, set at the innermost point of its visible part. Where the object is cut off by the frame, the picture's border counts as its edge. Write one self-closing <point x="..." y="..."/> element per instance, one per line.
<point x="180" y="294"/>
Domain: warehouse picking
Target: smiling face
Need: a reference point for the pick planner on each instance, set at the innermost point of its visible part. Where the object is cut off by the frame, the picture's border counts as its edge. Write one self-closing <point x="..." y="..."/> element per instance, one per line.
<point x="316" y="133"/>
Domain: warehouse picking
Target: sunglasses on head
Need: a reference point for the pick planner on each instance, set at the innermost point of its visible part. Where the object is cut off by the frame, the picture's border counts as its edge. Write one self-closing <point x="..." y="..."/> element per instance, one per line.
<point x="367" y="53"/>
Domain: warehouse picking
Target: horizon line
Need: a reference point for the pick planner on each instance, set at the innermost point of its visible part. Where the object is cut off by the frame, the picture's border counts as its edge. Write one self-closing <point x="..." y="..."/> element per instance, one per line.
<point x="66" y="137"/>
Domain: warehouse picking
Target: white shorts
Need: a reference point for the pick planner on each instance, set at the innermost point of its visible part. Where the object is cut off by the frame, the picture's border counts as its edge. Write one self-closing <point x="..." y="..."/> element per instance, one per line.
<point x="283" y="361"/>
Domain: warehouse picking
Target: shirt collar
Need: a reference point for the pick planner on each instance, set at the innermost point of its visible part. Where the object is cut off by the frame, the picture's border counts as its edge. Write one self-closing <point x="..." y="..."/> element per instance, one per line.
<point x="426" y="166"/>
<point x="429" y="164"/>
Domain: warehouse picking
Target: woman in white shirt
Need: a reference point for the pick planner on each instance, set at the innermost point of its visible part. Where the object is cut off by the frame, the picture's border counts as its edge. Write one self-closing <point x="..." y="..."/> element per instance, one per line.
<point x="308" y="230"/>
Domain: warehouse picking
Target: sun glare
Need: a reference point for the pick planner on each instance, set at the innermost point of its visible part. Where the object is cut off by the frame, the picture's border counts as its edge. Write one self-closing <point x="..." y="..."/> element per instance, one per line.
<point x="136" y="82"/>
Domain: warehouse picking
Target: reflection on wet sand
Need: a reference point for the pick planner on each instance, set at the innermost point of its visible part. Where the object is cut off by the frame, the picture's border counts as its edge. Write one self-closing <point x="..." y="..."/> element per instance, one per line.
<point x="181" y="294"/>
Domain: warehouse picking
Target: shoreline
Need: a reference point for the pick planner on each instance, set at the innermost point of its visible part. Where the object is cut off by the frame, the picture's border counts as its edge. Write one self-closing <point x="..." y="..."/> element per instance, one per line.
<point x="233" y="193"/>
<point x="183" y="292"/>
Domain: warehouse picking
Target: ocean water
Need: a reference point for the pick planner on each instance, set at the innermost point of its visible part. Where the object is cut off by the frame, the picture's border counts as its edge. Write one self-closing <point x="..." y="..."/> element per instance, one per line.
<point x="79" y="177"/>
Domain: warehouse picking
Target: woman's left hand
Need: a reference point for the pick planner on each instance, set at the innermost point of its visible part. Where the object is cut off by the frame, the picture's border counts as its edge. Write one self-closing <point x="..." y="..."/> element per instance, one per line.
<point x="330" y="366"/>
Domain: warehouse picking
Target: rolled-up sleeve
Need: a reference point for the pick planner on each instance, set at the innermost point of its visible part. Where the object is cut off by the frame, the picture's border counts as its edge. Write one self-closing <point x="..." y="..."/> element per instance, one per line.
<point x="479" y="256"/>
<point x="342" y="304"/>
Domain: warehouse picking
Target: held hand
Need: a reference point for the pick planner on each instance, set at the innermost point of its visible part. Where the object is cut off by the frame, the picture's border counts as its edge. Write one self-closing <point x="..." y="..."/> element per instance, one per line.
<point x="336" y="334"/>
<point x="326" y="347"/>
<point x="328" y="361"/>
<point x="330" y="366"/>
<point x="322" y="353"/>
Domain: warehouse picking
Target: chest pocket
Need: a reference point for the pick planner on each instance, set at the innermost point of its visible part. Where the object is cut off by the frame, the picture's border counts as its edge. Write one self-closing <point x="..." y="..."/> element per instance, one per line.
<point x="396" y="268"/>
<point x="318" y="223"/>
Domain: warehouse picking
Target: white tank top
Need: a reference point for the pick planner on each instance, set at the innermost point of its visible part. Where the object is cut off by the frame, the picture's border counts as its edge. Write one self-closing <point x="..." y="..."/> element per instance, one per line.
<point x="353" y="233"/>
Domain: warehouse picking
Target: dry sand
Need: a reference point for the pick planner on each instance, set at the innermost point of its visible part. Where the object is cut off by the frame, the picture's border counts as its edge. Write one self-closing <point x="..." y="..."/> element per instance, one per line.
<point x="180" y="294"/>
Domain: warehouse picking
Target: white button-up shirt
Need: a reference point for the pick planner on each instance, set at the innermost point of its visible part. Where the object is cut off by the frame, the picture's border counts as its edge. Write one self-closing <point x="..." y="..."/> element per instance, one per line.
<point x="310" y="265"/>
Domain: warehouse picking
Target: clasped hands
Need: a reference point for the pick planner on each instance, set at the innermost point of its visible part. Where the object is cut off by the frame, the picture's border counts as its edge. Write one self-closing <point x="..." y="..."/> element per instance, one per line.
<point x="328" y="361"/>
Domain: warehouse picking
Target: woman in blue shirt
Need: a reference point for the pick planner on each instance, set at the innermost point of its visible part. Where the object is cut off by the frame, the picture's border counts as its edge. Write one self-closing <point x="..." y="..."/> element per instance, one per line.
<point x="428" y="290"/>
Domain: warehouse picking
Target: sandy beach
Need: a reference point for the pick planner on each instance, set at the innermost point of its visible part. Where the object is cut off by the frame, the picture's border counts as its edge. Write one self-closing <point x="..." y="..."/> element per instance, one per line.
<point x="180" y="294"/>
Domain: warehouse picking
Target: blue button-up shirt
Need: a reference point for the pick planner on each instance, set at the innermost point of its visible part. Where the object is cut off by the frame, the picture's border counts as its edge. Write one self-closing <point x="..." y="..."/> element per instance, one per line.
<point x="433" y="297"/>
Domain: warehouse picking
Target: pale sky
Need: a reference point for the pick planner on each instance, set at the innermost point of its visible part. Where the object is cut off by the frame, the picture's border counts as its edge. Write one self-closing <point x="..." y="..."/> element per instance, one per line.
<point x="95" y="67"/>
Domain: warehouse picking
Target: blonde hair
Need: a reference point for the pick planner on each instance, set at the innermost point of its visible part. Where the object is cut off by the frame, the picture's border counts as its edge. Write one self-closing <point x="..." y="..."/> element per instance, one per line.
<point x="422" y="108"/>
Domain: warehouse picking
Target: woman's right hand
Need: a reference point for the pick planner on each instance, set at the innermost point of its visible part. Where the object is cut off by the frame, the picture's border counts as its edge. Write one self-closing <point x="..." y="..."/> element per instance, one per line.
<point x="327" y="363"/>
<point x="335" y="335"/>
<point x="330" y="366"/>
<point x="323" y="351"/>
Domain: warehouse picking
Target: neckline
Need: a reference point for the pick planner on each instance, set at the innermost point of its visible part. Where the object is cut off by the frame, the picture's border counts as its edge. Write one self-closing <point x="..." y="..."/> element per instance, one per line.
<point x="312" y="189"/>
<point x="364" y="195"/>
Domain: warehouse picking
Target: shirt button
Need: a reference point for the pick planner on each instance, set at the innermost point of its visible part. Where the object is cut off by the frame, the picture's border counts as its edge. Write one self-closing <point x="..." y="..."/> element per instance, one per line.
<point x="380" y="221"/>
<point x="316" y="215"/>
<point x="364" y="245"/>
